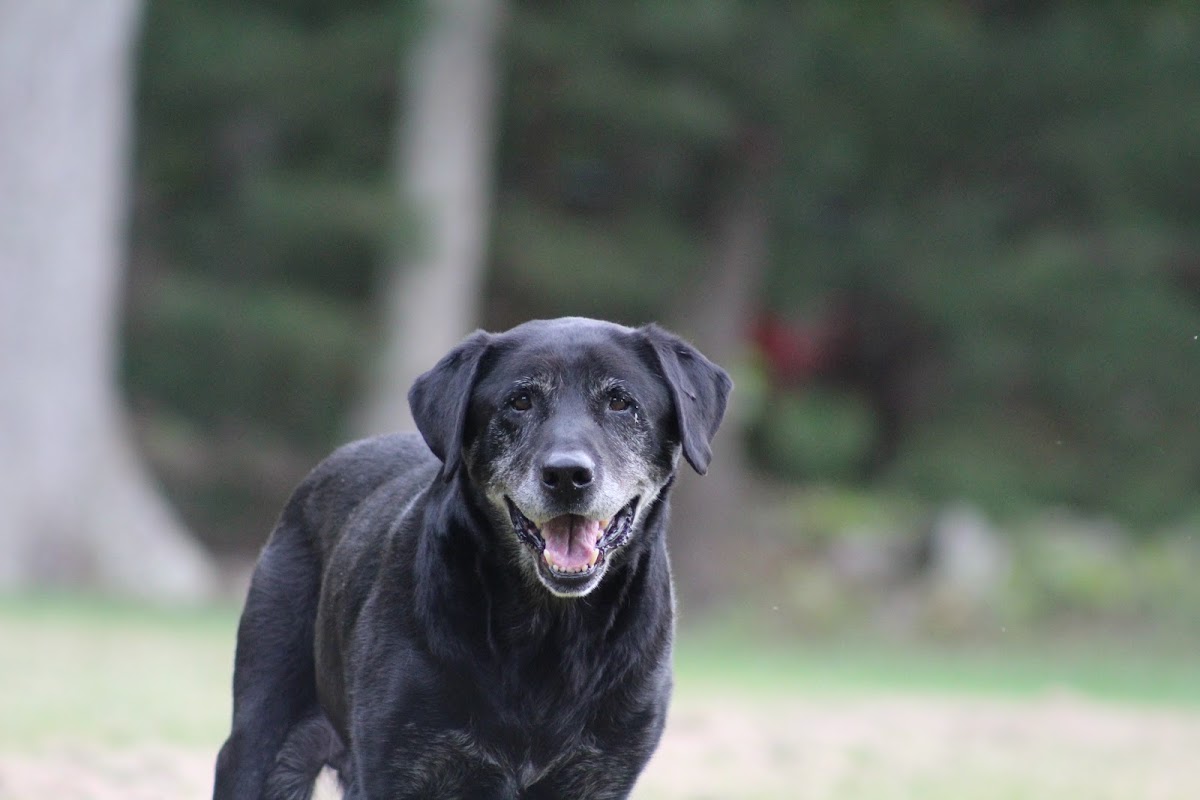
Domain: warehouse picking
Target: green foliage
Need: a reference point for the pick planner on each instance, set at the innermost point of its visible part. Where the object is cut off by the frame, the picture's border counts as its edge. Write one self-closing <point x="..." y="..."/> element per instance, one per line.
<point x="265" y="137"/>
<point x="1019" y="181"/>
<point x="612" y="118"/>
<point x="818" y="435"/>
<point x="1021" y="187"/>
<point x="867" y="561"/>
<point x="1065" y="575"/>
<point x="621" y="269"/>
<point x="821" y="513"/>
<point x="1005" y="463"/>
<point x="284" y="359"/>
<point x="1021" y="177"/>
<point x="265" y="204"/>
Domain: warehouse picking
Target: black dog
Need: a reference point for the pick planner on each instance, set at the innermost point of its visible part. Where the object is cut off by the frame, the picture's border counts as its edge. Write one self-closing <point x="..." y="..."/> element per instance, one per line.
<point x="487" y="613"/>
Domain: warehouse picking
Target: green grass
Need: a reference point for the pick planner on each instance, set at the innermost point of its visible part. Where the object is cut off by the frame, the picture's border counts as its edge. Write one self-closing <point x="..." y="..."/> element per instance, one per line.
<point x="81" y="668"/>
<point x="1110" y="670"/>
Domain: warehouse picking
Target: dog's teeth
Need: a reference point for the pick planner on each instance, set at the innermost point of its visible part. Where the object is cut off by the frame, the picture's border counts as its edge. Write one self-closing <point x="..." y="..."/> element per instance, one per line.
<point x="603" y="524"/>
<point x="592" y="559"/>
<point x="546" y="555"/>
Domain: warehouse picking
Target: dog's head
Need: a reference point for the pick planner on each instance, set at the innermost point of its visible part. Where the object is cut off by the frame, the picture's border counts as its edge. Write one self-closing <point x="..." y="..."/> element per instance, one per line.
<point x="570" y="429"/>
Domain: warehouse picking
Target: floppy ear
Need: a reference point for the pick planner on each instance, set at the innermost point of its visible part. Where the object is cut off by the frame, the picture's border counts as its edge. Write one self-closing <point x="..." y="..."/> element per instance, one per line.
<point x="439" y="400"/>
<point x="699" y="390"/>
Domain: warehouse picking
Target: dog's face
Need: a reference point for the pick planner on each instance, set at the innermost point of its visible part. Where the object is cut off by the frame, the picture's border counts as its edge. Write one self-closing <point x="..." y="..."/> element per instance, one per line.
<point x="571" y="439"/>
<point x="570" y="429"/>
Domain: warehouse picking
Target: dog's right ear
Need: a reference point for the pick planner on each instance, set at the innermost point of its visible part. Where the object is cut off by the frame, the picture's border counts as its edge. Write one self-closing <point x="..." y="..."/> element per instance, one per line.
<point x="440" y="398"/>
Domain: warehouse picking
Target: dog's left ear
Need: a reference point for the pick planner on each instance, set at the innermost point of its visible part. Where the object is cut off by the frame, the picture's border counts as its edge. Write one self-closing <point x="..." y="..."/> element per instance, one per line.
<point x="699" y="391"/>
<point x="440" y="398"/>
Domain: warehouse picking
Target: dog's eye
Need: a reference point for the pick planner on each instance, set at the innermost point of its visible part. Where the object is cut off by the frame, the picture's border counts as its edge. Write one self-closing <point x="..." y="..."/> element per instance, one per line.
<point x="520" y="402"/>
<point x="619" y="403"/>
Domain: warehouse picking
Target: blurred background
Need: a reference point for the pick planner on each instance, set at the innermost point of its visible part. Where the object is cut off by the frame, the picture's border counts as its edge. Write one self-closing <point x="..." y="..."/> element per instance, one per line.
<point x="948" y="249"/>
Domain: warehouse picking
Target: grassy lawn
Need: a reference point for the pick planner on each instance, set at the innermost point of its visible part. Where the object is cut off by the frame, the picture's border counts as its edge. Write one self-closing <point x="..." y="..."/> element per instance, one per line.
<point x="1160" y="674"/>
<point x="103" y="671"/>
<point x="752" y="719"/>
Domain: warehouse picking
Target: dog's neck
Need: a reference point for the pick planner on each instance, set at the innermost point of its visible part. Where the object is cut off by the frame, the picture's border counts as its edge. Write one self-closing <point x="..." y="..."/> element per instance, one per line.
<point x="481" y="561"/>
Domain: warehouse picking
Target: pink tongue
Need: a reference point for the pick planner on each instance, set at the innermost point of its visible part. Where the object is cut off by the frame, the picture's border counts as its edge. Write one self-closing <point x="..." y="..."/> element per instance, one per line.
<point x="571" y="540"/>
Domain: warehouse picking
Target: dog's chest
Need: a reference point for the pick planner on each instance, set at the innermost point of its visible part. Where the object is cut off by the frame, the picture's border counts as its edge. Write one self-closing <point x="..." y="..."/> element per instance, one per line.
<point x="533" y="723"/>
<point x="523" y="759"/>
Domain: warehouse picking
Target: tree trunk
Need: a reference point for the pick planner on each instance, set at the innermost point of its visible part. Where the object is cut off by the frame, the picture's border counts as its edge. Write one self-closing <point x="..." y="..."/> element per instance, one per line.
<point x="444" y="155"/>
<point x="711" y="539"/>
<point x="77" y="507"/>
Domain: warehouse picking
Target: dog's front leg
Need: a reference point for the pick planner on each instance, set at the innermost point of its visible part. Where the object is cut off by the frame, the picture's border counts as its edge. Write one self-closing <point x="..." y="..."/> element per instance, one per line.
<point x="410" y="763"/>
<point x="448" y="783"/>
<point x="609" y="768"/>
<point x="486" y="791"/>
<point x="585" y="783"/>
<point x="608" y="775"/>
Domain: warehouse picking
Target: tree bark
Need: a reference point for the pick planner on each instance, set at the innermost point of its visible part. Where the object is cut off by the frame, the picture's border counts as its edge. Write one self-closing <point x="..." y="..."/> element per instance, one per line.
<point x="444" y="156"/>
<point x="77" y="507"/>
<point x="710" y="534"/>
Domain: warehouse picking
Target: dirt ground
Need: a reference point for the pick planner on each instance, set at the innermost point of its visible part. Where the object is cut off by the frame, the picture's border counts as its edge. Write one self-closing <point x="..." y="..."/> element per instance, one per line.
<point x="887" y="746"/>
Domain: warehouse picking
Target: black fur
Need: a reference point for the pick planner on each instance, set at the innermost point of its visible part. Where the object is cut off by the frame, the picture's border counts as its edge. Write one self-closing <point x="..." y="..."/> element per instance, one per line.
<point x="401" y="629"/>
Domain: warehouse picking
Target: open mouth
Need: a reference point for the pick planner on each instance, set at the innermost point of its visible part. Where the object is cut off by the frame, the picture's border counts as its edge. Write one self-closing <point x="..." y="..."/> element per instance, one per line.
<point x="571" y="545"/>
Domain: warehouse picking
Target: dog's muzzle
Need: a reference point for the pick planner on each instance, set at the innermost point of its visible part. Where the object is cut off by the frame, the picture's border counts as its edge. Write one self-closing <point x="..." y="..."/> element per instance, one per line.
<point x="570" y="545"/>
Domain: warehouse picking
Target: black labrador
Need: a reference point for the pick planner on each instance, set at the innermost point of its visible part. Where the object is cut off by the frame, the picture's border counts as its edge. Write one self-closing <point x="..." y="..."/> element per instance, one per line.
<point x="487" y="613"/>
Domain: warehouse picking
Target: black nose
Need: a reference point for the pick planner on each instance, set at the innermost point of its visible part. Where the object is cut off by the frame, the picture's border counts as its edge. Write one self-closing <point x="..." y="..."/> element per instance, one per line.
<point x="568" y="471"/>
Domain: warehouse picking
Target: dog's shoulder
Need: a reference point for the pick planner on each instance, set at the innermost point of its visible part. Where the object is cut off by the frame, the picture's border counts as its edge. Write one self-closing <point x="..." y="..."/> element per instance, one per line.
<point x="398" y="463"/>
<point x="367" y="463"/>
<point x="357" y="469"/>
